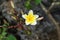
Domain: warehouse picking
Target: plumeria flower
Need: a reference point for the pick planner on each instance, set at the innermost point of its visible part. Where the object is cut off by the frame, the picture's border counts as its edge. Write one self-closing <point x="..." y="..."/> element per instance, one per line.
<point x="30" y="18"/>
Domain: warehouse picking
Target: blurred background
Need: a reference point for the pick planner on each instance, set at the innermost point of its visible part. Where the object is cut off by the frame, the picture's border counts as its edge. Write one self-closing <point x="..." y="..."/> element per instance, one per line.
<point x="46" y="29"/>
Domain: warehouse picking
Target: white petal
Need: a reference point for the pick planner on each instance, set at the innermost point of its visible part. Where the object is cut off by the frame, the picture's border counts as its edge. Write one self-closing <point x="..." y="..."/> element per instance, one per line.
<point x="40" y="18"/>
<point x="27" y="23"/>
<point x="34" y="23"/>
<point x="24" y="16"/>
<point x="36" y="16"/>
<point x="31" y="12"/>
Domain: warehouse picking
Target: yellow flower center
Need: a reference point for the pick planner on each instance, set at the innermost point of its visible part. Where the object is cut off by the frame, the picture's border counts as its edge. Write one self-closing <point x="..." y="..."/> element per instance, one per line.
<point x="30" y="18"/>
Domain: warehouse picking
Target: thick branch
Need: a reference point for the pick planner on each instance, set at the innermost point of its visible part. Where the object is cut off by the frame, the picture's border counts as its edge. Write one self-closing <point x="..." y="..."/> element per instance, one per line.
<point x="52" y="19"/>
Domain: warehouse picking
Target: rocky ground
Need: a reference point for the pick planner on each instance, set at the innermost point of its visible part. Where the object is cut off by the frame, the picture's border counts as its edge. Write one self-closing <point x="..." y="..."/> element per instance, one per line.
<point x="46" y="29"/>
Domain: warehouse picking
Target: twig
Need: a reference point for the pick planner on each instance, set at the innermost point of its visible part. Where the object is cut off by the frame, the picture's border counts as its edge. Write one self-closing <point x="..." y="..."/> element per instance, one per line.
<point x="52" y="5"/>
<point x="22" y="12"/>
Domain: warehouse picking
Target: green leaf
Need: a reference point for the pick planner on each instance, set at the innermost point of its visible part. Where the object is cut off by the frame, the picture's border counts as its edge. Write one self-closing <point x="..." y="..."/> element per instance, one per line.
<point x="27" y="4"/>
<point x="37" y="1"/>
<point x="11" y="37"/>
<point x="1" y="30"/>
<point x="28" y="32"/>
<point x="5" y="25"/>
<point x="4" y="33"/>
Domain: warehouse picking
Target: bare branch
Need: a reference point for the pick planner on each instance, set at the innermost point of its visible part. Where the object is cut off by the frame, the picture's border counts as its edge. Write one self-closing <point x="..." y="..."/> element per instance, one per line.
<point x="52" y="5"/>
<point x="52" y="19"/>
